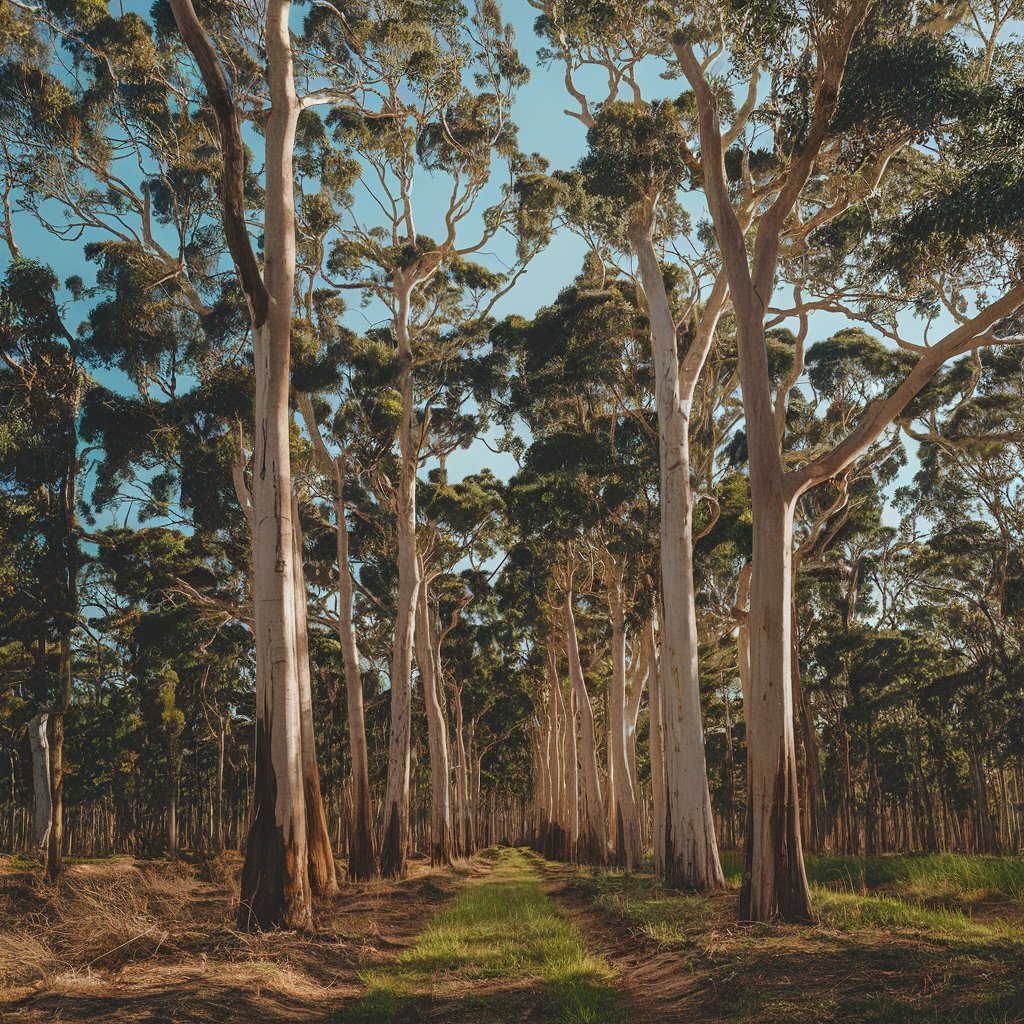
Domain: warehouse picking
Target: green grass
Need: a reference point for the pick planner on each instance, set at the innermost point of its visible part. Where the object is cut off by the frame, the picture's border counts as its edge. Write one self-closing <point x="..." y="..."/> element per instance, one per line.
<point x="842" y="898"/>
<point x="875" y="956"/>
<point x="500" y="952"/>
<point x="929" y="877"/>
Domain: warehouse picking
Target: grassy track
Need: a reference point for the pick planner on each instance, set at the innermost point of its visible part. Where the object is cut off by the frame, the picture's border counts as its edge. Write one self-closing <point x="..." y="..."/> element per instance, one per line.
<point x="899" y="940"/>
<point x="501" y="953"/>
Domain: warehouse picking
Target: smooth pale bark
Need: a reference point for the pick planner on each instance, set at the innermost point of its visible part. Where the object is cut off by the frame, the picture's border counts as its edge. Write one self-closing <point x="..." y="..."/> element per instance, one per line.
<point x="395" y="843"/>
<point x="637" y="682"/>
<point x="627" y="846"/>
<point x="593" y="844"/>
<point x="362" y="857"/>
<point x="570" y="774"/>
<point x="464" y="799"/>
<point x="437" y="731"/>
<point x="540" y="744"/>
<point x="691" y="849"/>
<point x="362" y="854"/>
<point x="42" y="806"/>
<point x="556" y="725"/>
<point x="275" y="876"/>
<point x="322" y="870"/>
<point x="657" y="756"/>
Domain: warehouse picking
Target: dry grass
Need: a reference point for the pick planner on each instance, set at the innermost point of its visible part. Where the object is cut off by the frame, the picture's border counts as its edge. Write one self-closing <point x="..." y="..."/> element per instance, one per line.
<point x="100" y="915"/>
<point x="120" y="941"/>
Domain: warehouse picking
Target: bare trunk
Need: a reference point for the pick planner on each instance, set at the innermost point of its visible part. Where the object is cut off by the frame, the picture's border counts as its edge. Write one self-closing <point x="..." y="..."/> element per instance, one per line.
<point x="55" y="839"/>
<point x="774" y="882"/>
<point x="557" y="840"/>
<point x="322" y="871"/>
<point x="42" y="805"/>
<point x="467" y="832"/>
<point x="593" y="843"/>
<point x="275" y="887"/>
<point x="362" y="857"/>
<point x="218" y="805"/>
<point x="657" y="755"/>
<point x="275" y="876"/>
<point x="570" y="756"/>
<point x="437" y="732"/>
<point x="691" y="849"/>
<point x="628" y="850"/>
<point x="395" y="843"/>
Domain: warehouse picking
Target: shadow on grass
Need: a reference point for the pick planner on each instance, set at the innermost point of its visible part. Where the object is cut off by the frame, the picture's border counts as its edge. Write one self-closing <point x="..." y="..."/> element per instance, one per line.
<point x="584" y="1002"/>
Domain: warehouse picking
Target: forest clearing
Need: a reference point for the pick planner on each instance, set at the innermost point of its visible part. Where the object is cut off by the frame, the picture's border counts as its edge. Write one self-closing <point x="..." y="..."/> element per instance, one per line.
<point x="512" y="510"/>
<point x="508" y="936"/>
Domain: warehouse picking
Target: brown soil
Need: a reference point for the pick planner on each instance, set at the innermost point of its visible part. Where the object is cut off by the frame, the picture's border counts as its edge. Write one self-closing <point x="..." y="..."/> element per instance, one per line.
<point x="124" y="941"/>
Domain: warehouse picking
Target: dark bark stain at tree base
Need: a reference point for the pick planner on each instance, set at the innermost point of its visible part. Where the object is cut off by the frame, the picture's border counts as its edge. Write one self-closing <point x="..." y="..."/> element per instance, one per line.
<point x="789" y="898"/>
<point x="393" y="863"/>
<point x="275" y="887"/>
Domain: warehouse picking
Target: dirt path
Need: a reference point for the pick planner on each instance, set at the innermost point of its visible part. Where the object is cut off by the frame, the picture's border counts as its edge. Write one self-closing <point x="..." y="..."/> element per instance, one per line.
<point x="189" y="966"/>
<point x="657" y="983"/>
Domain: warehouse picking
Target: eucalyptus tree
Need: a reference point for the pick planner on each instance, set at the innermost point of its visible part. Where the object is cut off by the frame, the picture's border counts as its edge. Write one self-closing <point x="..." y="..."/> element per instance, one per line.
<point x="828" y="139"/>
<point x="42" y="385"/>
<point x="128" y="105"/>
<point x="435" y="91"/>
<point x="637" y="162"/>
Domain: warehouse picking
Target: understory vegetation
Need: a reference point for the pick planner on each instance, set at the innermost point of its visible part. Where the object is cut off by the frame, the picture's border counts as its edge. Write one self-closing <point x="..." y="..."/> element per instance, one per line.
<point x="932" y="940"/>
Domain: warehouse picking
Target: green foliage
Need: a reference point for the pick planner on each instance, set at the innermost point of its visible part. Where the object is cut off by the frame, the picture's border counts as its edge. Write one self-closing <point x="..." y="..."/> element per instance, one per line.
<point x="635" y="153"/>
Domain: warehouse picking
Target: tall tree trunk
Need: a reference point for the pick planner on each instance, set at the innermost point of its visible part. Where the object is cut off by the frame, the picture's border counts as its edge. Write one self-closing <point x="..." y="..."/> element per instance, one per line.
<point x="593" y="843"/>
<point x="691" y="849"/>
<point x="657" y="756"/>
<point x="322" y="870"/>
<point x="627" y="824"/>
<point x="218" y="804"/>
<point x="774" y="881"/>
<point x="275" y="887"/>
<point x="55" y="839"/>
<point x="42" y="797"/>
<point x="362" y="855"/>
<point x="437" y="731"/>
<point x="570" y="757"/>
<point x="556" y="725"/>
<point x="467" y="832"/>
<point x="815" y="792"/>
<point x="395" y="843"/>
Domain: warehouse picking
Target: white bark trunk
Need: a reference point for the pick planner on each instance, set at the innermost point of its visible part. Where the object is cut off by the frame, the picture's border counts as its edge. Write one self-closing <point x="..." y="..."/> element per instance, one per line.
<point x="437" y="732"/>
<point x="322" y="869"/>
<point x="276" y="886"/>
<point x="593" y="845"/>
<point x="394" y="847"/>
<point x="691" y="849"/>
<point x="627" y="845"/>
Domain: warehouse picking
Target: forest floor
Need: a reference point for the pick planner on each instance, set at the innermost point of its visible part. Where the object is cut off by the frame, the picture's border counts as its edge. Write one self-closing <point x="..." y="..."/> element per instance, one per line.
<point x="509" y="937"/>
